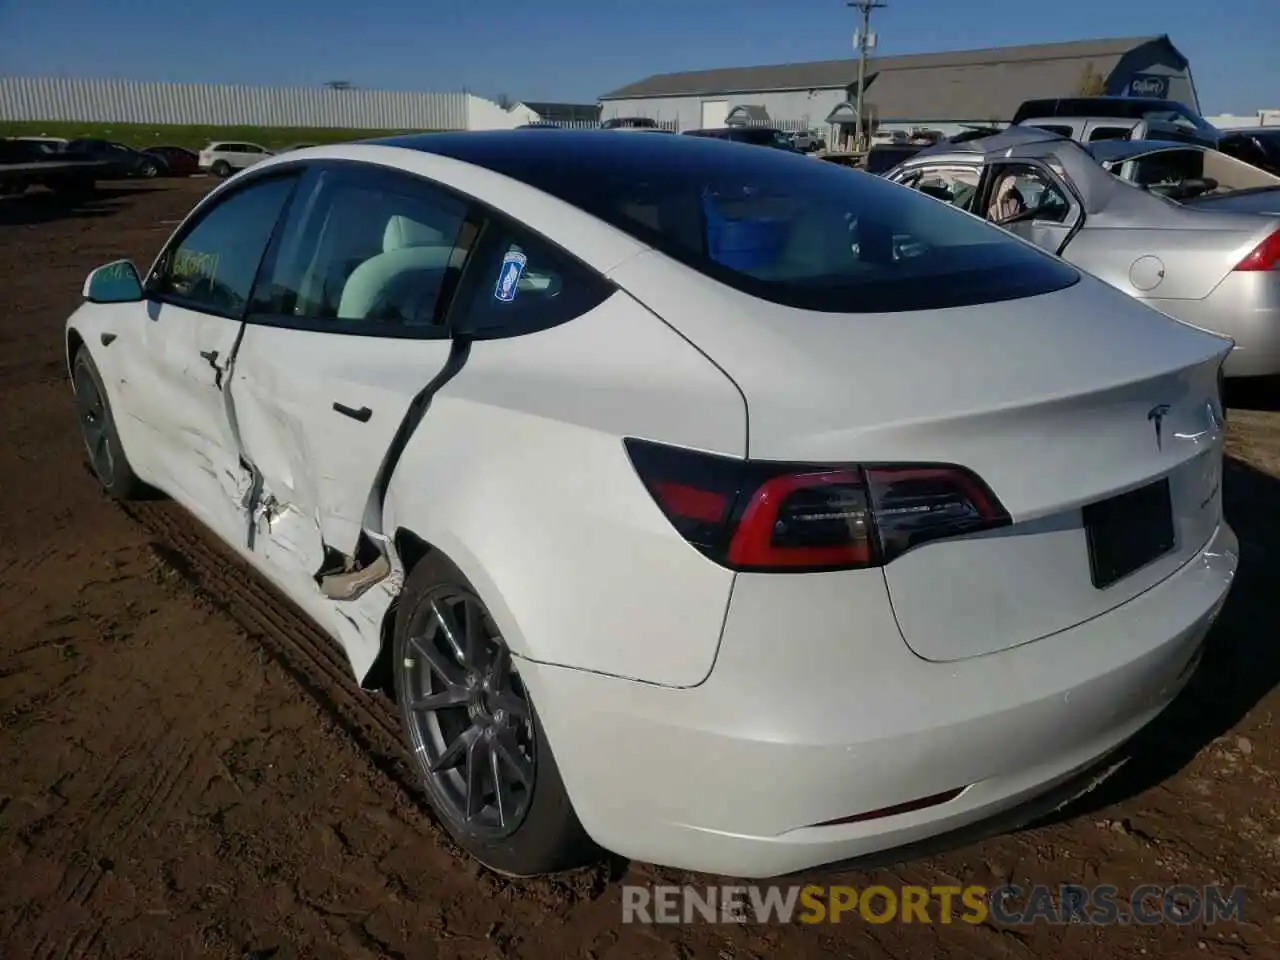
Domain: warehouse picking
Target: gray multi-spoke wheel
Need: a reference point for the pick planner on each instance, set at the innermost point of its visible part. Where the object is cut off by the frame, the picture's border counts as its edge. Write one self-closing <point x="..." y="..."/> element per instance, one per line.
<point x="468" y="717"/>
<point x="473" y="731"/>
<point x="98" y="429"/>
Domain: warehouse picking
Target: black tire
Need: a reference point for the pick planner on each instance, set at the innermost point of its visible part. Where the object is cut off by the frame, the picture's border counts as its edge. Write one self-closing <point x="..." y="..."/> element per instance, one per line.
<point x="98" y="430"/>
<point x="149" y="169"/>
<point x="544" y="835"/>
<point x="220" y="168"/>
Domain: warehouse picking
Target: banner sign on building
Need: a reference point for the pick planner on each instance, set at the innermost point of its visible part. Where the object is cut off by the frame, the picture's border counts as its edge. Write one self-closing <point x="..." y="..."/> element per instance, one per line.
<point x="1148" y="85"/>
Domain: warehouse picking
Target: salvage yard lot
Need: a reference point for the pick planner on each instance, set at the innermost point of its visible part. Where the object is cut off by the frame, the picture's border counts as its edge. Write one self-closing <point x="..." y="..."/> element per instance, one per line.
<point x="188" y="770"/>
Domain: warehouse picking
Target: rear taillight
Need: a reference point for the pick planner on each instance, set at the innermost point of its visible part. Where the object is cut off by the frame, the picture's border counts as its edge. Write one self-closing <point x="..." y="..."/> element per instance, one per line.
<point x="1265" y="256"/>
<point x="785" y="517"/>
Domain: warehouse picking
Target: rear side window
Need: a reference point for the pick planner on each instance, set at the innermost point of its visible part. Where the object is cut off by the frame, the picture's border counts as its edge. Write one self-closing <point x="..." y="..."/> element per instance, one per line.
<point x="783" y="228"/>
<point x="520" y="283"/>
<point x="1109" y="133"/>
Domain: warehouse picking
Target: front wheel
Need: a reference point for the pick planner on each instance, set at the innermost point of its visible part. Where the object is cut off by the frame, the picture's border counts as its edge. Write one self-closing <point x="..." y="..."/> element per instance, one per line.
<point x="474" y="734"/>
<point x="98" y="430"/>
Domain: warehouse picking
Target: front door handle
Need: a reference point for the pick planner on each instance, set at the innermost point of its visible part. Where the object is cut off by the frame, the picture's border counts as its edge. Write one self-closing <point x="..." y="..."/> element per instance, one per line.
<point x="211" y="356"/>
<point x="362" y="415"/>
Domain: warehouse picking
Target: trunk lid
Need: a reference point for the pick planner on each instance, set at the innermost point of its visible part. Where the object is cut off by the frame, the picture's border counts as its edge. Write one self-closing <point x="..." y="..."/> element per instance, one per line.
<point x="1051" y="400"/>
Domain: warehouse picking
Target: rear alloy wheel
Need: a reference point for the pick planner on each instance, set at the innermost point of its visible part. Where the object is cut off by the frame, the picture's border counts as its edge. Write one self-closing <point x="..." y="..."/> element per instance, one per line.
<point x="474" y="734"/>
<point x="98" y="429"/>
<point x="150" y="169"/>
<point x="221" y="169"/>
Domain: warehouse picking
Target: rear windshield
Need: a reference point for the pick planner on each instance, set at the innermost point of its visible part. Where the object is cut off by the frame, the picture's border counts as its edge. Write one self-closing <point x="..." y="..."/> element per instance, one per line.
<point x="1166" y="172"/>
<point x="783" y="227"/>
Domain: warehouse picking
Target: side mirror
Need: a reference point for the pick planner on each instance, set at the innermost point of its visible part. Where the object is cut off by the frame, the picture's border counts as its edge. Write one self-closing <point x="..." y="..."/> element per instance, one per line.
<point x="116" y="282"/>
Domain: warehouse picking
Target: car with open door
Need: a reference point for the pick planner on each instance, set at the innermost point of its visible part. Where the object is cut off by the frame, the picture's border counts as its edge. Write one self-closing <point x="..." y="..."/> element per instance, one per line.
<point x="713" y="506"/>
<point x="1182" y="227"/>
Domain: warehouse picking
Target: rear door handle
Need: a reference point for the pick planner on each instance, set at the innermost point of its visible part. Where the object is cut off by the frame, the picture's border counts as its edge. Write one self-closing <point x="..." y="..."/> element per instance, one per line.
<point x="211" y="356"/>
<point x="362" y="415"/>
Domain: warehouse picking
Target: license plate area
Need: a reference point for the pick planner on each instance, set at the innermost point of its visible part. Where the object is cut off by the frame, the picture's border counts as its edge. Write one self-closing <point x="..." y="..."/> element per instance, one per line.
<point x="1127" y="532"/>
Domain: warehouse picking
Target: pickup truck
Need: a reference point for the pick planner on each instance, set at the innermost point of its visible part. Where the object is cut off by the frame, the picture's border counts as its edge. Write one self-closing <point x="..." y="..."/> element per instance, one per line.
<point x="1089" y="119"/>
<point x="24" y="164"/>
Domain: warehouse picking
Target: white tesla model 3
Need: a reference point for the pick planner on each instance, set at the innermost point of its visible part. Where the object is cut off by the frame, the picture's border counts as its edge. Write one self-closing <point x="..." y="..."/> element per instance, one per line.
<point x="733" y="511"/>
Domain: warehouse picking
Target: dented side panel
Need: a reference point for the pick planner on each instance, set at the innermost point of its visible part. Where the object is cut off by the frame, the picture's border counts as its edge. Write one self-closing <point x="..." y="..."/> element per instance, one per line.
<point x="178" y="360"/>
<point x="316" y="413"/>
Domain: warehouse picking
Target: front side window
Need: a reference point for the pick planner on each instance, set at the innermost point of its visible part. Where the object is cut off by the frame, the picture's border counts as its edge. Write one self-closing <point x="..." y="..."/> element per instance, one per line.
<point x="364" y="249"/>
<point x="212" y="266"/>
<point x="1023" y="191"/>
<point x="786" y="229"/>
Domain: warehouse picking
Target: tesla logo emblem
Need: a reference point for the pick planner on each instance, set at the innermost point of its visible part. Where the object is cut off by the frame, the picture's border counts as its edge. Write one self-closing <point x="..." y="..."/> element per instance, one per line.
<point x="1156" y="416"/>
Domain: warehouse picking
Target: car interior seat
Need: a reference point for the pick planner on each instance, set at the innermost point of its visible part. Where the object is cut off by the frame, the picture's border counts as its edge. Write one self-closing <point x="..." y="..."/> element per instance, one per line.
<point x="401" y="283"/>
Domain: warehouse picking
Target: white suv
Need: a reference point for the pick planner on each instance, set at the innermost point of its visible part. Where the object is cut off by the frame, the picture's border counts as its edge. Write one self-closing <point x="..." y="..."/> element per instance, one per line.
<point x="223" y="158"/>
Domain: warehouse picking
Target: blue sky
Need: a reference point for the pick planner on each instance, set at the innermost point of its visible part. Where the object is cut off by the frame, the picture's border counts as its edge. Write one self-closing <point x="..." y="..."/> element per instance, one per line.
<point x="578" y="49"/>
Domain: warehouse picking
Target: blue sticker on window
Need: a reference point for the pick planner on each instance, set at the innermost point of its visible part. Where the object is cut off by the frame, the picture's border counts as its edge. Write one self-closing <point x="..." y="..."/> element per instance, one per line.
<point x="513" y="265"/>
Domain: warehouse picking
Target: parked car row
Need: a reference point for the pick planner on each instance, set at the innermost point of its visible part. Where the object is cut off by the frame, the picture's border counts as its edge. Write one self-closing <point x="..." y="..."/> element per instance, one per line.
<point x="118" y="160"/>
<point x="219" y="158"/>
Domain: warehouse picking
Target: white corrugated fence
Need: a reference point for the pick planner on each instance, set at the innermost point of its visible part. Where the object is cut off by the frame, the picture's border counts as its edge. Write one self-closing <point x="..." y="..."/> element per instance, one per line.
<point x="128" y="101"/>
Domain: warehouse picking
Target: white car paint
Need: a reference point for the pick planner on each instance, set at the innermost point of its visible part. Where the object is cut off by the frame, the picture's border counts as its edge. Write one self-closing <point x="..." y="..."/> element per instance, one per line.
<point x="703" y="718"/>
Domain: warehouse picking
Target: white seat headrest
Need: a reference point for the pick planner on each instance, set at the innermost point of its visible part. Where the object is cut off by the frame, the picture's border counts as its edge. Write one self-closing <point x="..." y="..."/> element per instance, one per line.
<point x="403" y="232"/>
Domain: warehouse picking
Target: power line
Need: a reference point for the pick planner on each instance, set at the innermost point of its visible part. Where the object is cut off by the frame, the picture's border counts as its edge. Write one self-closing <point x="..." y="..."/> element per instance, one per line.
<point x="864" y="41"/>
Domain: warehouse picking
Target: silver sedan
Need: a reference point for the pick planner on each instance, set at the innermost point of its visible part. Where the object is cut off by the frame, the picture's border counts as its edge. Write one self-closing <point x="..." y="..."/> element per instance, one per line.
<point x="1187" y="230"/>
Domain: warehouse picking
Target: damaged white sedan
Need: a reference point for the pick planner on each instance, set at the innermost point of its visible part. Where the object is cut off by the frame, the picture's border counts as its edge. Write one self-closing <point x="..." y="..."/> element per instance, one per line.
<point x="719" y="508"/>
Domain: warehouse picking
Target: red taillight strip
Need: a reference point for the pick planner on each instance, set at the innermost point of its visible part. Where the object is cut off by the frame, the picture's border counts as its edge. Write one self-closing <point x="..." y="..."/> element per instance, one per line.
<point x="1265" y="256"/>
<point x="924" y="802"/>
<point x="752" y="541"/>
<point x="686" y="501"/>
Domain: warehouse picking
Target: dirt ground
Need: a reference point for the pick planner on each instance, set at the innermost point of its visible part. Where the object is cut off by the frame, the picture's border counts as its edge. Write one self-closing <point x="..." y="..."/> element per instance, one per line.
<point x="186" y="768"/>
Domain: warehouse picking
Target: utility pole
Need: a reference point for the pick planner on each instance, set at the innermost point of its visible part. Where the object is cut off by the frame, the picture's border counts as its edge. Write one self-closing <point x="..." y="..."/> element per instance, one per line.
<point x="864" y="44"/>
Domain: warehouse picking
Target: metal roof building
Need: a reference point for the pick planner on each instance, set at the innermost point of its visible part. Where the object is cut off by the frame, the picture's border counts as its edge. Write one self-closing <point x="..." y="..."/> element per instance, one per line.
<point x="932" y="89"/>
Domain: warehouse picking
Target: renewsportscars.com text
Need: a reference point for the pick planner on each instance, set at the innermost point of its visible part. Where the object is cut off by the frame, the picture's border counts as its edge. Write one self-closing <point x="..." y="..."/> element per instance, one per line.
<point x="1008" y="905"/>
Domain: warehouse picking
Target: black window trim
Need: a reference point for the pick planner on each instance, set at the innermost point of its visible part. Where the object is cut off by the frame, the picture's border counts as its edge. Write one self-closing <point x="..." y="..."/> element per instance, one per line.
<point x="489" y="222"/>
<point x="203" y="209"/>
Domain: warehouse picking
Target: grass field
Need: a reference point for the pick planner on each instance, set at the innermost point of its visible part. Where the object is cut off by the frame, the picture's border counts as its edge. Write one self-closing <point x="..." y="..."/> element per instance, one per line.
<point x="193" y="137"/>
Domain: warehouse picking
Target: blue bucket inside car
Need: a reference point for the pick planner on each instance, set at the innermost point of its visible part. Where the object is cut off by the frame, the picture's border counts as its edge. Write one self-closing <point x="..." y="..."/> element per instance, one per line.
<point x="742" y="243"/>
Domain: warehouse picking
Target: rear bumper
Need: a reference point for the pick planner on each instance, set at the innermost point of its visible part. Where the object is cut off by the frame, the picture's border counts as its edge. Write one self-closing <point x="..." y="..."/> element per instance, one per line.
<point x="817" y="711"/>
<point x="1245" y="307"/>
